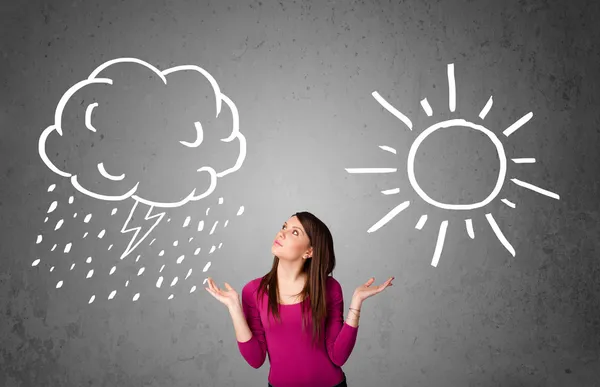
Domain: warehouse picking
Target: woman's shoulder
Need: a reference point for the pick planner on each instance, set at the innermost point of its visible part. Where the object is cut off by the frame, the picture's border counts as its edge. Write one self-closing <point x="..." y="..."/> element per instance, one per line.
<point x="252" y="285"/>
<point x="333" y="290"/>
<point x="332" y="284"/>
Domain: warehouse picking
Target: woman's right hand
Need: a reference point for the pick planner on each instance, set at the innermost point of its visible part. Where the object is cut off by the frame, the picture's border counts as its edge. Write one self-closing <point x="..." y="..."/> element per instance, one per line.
<point x="228" y="297"/>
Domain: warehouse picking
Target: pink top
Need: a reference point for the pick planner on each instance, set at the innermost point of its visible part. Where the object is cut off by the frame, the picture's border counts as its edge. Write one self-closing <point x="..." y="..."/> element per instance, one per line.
<point x="294" y="362"/>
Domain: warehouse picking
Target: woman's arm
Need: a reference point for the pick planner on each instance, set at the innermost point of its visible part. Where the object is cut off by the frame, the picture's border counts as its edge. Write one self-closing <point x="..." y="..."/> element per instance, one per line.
<point x="249" y="330"/>
<point x="240" y="325"/>
<point x="340" y="337"/>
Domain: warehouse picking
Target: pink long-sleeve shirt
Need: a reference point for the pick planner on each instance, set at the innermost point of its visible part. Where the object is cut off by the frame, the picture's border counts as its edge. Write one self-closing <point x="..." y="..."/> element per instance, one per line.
<point x="294" y="362"/>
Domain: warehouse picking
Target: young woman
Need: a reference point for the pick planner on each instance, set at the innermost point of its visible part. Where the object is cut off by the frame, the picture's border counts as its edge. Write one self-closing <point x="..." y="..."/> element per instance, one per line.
<point x="300" y="323"/>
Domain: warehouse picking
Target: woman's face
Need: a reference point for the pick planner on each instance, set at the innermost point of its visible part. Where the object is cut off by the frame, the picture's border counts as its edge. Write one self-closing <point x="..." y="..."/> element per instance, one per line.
<point x="291" y="242"/>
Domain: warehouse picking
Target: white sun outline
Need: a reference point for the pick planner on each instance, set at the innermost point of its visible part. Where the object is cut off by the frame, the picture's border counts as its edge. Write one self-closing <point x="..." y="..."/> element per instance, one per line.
<point x="415" y="185"/>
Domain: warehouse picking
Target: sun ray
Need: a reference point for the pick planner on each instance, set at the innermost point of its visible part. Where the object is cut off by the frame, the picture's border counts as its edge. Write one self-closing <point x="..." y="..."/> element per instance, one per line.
<point x="499" y="234"/>
<point x="392" y="109"/>
<point x="389" y="216"/>
<point x="426" y="107"/>
<point x="534" y="188"/>
<point x="508" y="203"/>
<point x="439" y="244"/>
<point x="469" y="225"/>
<point x="371" y="170"/>
<point x="388" y="149"/>
<point x="421" y="222"/>
<point x="524" y="160"/>
<point x="520" y="122"/>
<point x="486" y="108"/>
<point x="443" y="227"/>
<point x="451" y="88"/>
<point x="392" y="191"/>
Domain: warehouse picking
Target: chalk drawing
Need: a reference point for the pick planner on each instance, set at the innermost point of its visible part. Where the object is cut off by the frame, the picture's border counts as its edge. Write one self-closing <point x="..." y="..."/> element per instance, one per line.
<point x="149" y="217"/>
<point x="451" y="206"/>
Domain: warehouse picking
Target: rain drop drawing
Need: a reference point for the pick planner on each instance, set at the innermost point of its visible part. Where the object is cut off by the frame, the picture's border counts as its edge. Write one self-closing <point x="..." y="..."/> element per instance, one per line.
<point x="120" y="163"/>
<point x="449" y="206"/>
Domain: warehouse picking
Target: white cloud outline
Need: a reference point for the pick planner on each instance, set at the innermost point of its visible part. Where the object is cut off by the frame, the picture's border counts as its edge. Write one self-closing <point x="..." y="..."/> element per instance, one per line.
<point x="220" y="97"/>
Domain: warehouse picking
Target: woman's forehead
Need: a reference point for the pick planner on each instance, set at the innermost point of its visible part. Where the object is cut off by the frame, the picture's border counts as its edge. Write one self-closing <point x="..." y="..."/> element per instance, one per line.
<point x="294" y="221"/>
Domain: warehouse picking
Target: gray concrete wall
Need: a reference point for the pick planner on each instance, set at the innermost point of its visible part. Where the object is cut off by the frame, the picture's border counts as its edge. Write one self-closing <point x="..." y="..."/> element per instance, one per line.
<point x="301" y="75"/>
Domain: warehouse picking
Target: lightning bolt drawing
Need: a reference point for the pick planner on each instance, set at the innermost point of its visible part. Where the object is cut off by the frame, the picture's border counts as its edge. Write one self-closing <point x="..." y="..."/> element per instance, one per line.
<point x="132" y="246"/>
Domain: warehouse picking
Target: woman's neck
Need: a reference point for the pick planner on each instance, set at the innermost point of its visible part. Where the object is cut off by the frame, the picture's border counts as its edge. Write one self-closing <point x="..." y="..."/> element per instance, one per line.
<point x="290" y="274"/>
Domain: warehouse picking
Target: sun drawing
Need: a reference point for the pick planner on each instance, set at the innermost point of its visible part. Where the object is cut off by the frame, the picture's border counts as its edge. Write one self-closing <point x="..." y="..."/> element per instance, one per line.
<point x="415" y="185"/>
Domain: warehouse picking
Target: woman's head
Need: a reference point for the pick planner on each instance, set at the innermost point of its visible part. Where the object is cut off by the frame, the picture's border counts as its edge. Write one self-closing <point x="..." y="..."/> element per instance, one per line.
<point x="305" y="237"/>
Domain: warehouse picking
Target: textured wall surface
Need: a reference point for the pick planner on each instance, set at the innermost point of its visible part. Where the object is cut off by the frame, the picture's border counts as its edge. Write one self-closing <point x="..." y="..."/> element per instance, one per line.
<point x="301" y="75"/>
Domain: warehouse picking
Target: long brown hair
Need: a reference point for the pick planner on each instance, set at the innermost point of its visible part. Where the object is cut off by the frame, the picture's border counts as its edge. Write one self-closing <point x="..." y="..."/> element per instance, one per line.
<point x="317" y="269"/>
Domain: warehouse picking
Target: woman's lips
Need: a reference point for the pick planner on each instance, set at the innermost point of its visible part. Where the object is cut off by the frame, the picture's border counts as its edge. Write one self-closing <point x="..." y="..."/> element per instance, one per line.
<point x="277" y="243"/>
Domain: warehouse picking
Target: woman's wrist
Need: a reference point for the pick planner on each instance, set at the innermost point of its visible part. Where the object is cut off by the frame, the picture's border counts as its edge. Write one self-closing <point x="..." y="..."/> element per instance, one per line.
<point x="356" y="303"/>
<point x="354" y="312"/>
<point x="353" y="317"/>
<point x="236" y="307"/>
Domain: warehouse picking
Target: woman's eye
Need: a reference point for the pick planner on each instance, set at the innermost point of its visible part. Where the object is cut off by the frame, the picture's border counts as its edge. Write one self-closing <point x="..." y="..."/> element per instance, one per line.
<point x="295" y="232"/>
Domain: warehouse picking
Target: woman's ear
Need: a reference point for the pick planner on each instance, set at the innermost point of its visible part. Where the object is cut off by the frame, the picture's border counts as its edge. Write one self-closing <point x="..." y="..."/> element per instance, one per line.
<point x="310" y="252"/>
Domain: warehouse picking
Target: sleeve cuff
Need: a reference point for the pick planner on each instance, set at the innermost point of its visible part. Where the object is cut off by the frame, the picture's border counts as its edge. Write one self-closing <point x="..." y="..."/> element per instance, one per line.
<point x="245" y="342"/>
<point x="348" y="326"/>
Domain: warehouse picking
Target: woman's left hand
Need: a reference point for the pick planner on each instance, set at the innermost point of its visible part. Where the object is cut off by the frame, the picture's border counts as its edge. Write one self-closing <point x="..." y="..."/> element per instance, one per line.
<point x="365" y="291"/>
